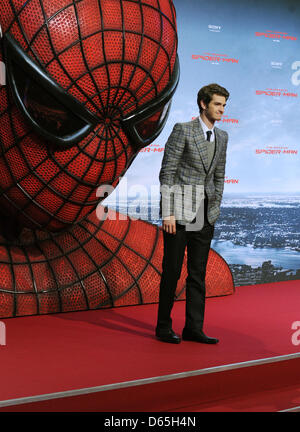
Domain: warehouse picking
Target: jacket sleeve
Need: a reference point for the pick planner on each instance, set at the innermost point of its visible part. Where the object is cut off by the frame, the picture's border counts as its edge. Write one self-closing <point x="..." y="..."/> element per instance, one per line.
<point x="219" y="174"/>
<point x="173" y="152"/>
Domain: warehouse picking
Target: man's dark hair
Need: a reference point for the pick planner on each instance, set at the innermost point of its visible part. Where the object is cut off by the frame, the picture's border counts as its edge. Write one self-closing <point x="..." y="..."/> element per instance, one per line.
<point x="206" y="93"/>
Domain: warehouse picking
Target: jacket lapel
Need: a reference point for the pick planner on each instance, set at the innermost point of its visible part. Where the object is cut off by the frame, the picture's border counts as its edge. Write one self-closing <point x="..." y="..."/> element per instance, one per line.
<point x="200" y="142"/>
<point x="217" y="149"/>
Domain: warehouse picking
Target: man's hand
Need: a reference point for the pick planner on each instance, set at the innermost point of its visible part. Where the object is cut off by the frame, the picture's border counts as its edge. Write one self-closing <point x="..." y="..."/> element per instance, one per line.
<point x="169" y="224"/>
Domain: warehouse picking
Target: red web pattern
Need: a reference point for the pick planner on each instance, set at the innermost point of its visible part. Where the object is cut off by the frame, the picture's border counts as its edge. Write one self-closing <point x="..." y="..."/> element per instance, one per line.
<point x="113" y="56"/>
<point x="91" y="266"/>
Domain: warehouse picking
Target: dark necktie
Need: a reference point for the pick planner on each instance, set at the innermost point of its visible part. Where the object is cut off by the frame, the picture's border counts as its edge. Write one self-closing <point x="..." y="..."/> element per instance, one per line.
<point x="208" y="135"/>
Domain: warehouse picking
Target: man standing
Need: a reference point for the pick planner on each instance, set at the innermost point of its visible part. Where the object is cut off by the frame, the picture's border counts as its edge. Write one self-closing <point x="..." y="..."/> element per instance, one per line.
<point x="192" y="183"/>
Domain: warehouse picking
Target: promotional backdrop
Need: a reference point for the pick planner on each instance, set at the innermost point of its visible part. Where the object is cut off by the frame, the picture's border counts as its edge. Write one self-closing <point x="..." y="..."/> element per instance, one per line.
<point x="253" y="49"/>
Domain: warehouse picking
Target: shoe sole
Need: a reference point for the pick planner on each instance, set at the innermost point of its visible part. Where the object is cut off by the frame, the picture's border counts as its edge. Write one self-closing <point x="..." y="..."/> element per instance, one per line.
<point x="191" y="339"/>
<point x="162" y="339"/>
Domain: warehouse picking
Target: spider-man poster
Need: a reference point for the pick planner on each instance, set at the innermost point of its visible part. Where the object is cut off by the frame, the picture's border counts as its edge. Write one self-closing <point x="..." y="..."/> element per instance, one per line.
<point x="89" y="84"/>
<point x="251" y="48"/>
<point x="92" y="90"/>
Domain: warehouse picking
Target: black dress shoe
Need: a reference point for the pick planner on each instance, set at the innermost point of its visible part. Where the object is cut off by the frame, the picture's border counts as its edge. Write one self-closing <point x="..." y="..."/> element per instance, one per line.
<point x="168" y="336"/>
<point x="198" y="336"/>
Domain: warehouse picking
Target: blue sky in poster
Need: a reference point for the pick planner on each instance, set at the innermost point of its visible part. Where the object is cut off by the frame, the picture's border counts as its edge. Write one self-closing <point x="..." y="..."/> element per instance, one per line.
<point x="265" y="123"/>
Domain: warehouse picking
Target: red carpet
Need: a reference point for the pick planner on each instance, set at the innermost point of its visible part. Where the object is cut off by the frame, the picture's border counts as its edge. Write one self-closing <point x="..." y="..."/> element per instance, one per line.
<point x="264" y="401"/>
<point x="57" y="353"/>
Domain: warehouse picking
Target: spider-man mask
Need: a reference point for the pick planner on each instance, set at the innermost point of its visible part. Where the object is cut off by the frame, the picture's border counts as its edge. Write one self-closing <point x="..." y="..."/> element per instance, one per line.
<point x="89" y="82"/>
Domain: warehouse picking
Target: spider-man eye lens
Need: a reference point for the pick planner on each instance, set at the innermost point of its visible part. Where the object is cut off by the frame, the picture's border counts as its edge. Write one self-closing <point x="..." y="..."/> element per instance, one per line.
<point x="46" y="111"/>
<point x="144" y="125"/>
<point x="51" y="111"/>
<point x="148" y="127"/>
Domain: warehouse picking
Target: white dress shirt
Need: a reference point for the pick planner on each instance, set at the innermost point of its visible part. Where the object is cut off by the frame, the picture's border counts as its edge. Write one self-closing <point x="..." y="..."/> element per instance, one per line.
<point x="206" y="129"/>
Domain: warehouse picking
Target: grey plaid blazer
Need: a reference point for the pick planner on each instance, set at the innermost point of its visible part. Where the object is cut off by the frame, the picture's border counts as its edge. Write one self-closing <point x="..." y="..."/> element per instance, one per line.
<point x="185" y="176"/>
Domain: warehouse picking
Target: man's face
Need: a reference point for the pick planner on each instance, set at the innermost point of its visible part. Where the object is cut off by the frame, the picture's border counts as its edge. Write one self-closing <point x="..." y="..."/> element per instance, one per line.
<point x="215" y="109"/>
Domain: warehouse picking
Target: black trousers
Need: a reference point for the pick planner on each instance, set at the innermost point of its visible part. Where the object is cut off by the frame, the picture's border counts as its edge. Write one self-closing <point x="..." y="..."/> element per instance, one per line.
<point x="198" y="245"/>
